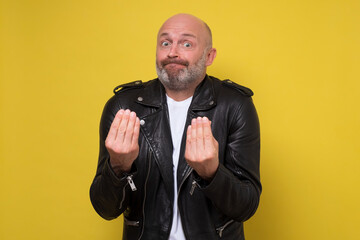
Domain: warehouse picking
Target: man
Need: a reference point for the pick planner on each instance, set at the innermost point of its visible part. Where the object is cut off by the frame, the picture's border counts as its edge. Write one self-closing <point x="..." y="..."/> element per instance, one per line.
<point x="179" y="155"/>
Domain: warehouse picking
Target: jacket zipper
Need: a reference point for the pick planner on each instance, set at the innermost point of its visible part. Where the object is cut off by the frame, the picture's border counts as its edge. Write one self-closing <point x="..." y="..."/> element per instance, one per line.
<point x="123" y="197"/>
<point x="131" y="223"/>
<point x="193" y="186"/>
<point x="132" y="186"/>
<point x="182" y="182"/>
<point x="220" y="230"/>
<point x="146" y="180"/>
<point x="131" y="183"/>
<point x="192" y="189"/>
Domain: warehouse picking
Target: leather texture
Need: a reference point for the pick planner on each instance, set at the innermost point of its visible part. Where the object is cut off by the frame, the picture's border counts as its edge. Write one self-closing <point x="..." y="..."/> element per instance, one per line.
<point x="209" y="210"/>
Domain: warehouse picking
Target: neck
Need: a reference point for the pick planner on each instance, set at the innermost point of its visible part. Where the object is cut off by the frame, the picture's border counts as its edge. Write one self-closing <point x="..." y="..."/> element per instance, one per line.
<point x="179" y="95"/>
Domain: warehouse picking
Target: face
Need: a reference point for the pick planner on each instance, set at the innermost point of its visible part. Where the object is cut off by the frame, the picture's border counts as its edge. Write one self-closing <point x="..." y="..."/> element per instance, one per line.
<point x="182" y="52"/>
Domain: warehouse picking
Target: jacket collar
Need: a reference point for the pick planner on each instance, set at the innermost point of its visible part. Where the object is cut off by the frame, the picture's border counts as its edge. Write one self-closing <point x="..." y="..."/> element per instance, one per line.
<point x="154" y="95"/>
<point x="204" y="96"/>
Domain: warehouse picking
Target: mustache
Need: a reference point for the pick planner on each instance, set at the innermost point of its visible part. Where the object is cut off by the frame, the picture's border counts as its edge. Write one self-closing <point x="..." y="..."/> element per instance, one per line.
<point x="176" y="61"/>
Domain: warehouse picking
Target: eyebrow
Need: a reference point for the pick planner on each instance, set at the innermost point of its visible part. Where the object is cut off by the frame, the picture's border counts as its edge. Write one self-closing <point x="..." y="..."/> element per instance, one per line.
<point x="184" y="34"/>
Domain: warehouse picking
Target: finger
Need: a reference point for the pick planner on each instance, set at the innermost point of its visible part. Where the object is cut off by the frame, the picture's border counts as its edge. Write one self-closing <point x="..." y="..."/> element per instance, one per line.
<point x="123" y="126"/>
<point x="193" y="136"/>
<point x="130" y="128"/>
<point x="188" y="143"/>
<point x="114" y="125"/>
<point x="199" y="135"/>
<point x="135" y="137"/>
<point x="208" y="137"/>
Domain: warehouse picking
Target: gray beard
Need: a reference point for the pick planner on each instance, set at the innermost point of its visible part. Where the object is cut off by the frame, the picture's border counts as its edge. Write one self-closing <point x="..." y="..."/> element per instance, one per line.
<point x="181" y="79"/>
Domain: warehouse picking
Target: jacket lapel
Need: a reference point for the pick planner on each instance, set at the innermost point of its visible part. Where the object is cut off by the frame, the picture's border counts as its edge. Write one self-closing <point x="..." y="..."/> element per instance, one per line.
<point x="156" y="129"/>
<point x="203" y="100"/>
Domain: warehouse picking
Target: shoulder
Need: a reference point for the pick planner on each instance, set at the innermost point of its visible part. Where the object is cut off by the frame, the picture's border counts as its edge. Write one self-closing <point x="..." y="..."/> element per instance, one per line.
<point x="247" y="92"/>
<point x="233" y="96"/>
<point x="135" y="86"/>
<point x="225" y="87"/>
<point x="128" y="86"/>
<point x="126" y="95"/>
<point x="237" y="99"/>
<point x="124" y="92"/>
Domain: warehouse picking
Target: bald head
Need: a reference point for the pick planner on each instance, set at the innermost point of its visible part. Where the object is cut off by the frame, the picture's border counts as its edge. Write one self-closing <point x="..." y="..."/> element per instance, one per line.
<point x="189" y="22"/>
<point x="183" y="52"/>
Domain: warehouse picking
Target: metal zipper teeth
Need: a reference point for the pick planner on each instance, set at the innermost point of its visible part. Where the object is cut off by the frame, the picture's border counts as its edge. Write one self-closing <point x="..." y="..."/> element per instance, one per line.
<point x="182" y="182"/>
<point x="145" y="184"/>
<point x="221" y="229"/>
<point x="123" y="197"/>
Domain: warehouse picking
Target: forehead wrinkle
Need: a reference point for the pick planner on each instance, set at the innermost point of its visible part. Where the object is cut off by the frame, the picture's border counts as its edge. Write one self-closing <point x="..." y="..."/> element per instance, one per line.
<point x="188" y="35"/>
<point x="181" y="35"/>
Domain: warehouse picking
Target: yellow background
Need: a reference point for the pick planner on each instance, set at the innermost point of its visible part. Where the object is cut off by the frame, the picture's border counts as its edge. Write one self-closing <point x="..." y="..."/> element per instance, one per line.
<point x="60" y="60"/>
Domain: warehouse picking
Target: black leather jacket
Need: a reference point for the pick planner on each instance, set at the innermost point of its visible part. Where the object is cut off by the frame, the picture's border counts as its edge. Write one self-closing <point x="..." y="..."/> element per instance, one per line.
<point x="209" y="210"/>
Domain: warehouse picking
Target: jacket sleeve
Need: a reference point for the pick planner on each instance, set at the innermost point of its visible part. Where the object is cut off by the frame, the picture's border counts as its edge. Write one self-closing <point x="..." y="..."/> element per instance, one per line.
<point x="235" y="189"/>
<point x="109" y="194"/>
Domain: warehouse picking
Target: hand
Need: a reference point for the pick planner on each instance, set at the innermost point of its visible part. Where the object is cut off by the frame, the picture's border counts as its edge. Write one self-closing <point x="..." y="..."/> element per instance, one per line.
<point x="202" y="149"/>
<point x="122" y="140"/>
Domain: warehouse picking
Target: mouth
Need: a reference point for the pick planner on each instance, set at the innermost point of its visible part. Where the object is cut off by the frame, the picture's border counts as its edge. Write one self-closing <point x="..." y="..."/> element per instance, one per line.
<point x="174" y="63"/>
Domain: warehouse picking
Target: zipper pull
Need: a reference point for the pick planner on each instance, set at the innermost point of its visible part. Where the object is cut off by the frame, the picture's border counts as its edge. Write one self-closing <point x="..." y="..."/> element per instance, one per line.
<point x="131" y="183"/>
<point x="193" y="187"/>
<point x="220" y="231"/>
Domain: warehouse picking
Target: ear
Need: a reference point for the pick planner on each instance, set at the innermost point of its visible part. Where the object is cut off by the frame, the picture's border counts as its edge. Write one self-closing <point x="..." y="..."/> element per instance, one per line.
<point x="210" y="56"/>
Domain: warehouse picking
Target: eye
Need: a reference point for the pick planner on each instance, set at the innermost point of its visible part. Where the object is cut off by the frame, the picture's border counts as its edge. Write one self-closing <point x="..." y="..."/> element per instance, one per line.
<point x="187" y="45"/>
<point x="165" y="44"/>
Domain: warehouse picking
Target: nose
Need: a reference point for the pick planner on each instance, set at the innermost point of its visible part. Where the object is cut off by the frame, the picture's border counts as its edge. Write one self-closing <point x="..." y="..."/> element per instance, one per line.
<point x="173" y="51"/>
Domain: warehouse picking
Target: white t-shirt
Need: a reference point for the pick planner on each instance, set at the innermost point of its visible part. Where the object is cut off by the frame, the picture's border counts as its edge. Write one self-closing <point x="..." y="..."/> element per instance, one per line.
<point x="177" y="114"/>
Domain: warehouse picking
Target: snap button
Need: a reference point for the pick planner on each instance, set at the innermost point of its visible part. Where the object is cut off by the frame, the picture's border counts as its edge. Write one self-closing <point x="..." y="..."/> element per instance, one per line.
<point x="142" y="122"/>
<point x="229" y="81"/>
<point x="137" y="83"/>
<point x="140" y="99"/>
<point x="211" y="103"/>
